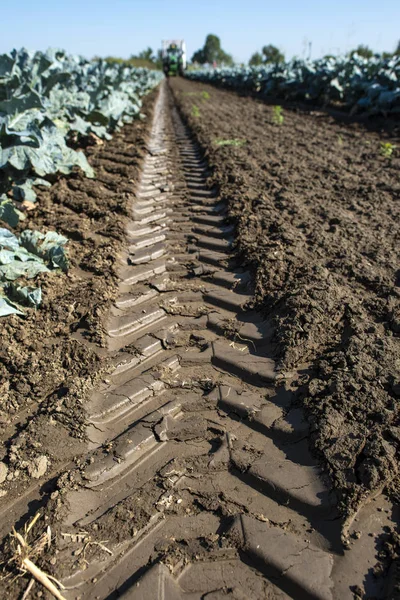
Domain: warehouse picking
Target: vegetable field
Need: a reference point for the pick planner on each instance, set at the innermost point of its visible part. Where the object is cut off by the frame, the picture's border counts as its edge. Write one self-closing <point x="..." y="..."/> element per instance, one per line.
<point x="50" y="102"/>
<point x="46" y="99"/>
<point x="364" y="85"/>
<point x="200" y="319"/>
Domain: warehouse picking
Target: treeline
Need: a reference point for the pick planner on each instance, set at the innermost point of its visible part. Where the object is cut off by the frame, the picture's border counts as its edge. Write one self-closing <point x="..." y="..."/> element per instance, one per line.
<point x="213" y="54"/>
<point x="146" y="58"/>
<point x="210" y="53"/>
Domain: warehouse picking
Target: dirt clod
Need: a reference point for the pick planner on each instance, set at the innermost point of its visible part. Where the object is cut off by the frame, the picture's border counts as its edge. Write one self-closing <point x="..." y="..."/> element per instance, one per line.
<point x="38" y="467"/>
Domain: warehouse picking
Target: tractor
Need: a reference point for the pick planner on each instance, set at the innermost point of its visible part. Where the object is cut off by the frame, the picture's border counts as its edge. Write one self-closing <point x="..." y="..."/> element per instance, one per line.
<point x="173" y="57"/>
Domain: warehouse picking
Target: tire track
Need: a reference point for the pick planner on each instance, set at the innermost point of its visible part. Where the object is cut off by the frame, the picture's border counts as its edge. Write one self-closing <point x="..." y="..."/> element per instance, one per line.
<point x="199" y="482"/>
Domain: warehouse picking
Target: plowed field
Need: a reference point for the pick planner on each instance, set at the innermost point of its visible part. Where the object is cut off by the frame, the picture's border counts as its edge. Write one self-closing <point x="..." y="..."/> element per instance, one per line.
<point x="316" y="209"/>
<point x="206" y="406"/>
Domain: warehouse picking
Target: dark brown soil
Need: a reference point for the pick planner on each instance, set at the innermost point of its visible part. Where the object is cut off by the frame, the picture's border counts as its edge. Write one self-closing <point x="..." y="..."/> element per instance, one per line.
<point x="51" y="359"/>
<point x="316" y="205"/>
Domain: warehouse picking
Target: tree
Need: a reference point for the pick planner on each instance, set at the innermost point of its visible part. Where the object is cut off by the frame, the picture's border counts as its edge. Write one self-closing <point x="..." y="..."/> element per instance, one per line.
<point x="212" y="52"/>
<point x="363" y="51"/>
<point x="198" y="57"/>
<point x="397" y="51"/>
<point x="256" y="59"/>
<point x="272" y="55"/>
<point x="225" y="58"/>
<point x="212" y="48"/>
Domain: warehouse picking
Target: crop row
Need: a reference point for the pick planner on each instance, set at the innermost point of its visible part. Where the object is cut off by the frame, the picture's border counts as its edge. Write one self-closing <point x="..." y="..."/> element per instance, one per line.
<point x="47" y="98"/>
<point x="47" y="101"/>
<point x="371" y="85"/>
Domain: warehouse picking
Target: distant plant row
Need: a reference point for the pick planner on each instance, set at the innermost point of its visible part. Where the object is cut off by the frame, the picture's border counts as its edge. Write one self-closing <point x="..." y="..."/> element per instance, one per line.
<point x="272" y="55"/>
<point x="360" y="84"/>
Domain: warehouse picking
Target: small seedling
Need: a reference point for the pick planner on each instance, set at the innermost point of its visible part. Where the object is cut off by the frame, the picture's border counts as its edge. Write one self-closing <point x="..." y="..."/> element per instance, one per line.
<point x="205" y="95"/>
<point x="340" y="140"/>
<point x="277" y="115"/>
<point x="235" y="142"/>
<point x="195" y="110"/>
<point x="387" y="149"/>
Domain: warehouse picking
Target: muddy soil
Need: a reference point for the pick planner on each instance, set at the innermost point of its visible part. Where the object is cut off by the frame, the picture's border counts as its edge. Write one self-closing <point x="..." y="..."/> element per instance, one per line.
<point x="51" y="358"/>
<point x="316" y="208"/>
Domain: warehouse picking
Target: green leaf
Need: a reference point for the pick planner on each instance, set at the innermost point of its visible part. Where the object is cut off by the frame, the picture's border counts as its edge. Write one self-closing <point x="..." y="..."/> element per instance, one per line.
<point x="58" y="258"/>
<point x="7" y="308"/>
<point x="8" y="239"/>
<point x="24" y="192"/>
<point x="52" y="156"/>
<point x="27" y="295"/>
<point x="8" y="213"/>
<point x="25" y="100"/>
<point x="8" y="256"/>
<point x="16" y="268"/>
<point x="6" y="65"/>
<point x="49" y="247"/>
<point x="30" y="240"/>
<point x="84" y="127"/>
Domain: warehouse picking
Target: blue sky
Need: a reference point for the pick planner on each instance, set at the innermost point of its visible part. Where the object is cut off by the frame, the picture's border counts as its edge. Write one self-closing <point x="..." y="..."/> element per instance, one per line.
<point x="124" y="27"/>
